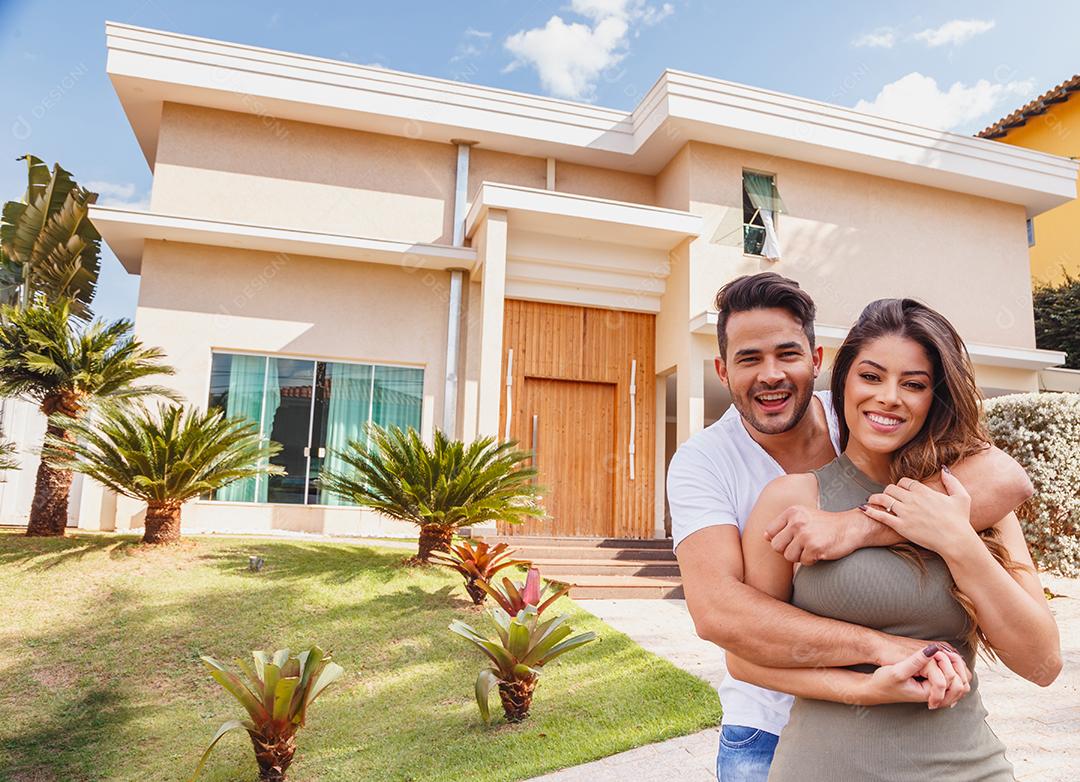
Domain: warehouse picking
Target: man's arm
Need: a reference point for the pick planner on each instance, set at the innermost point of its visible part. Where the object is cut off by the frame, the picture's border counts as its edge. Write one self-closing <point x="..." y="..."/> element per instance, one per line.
<point x="751" y="624"/>
<point x="995" y="481"/>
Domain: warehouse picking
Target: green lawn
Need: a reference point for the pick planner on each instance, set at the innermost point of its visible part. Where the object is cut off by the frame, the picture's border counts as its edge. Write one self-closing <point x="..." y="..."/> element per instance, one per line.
<point x="101" y="680"/>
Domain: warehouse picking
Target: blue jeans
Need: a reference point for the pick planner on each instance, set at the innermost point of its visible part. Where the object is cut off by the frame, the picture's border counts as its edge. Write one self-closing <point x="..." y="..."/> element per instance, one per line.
<point x="745" y="754"/>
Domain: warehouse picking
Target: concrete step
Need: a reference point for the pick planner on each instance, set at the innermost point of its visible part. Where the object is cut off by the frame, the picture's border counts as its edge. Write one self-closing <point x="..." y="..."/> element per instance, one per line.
<point x="603" y="543"/>
<point x="565" y="569"/>
<point x="569" y="553"/>
<point x="625" y="587"/>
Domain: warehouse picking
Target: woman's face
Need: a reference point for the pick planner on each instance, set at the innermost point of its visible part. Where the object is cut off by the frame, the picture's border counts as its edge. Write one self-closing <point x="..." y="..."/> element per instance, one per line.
<point x="887" y="393"/>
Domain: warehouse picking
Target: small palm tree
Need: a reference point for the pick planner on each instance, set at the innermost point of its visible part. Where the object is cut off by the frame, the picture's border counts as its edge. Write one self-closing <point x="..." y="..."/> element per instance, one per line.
<point x="164" y="458"/>
<point x="48" y="245"/>
<point x="46" y="359"/>
<point x="439" y="488"/>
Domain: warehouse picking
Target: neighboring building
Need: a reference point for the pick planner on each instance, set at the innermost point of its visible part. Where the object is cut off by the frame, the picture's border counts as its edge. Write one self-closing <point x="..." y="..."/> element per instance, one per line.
<point x="329" y="243"/>
<point x="1050" y="123"/>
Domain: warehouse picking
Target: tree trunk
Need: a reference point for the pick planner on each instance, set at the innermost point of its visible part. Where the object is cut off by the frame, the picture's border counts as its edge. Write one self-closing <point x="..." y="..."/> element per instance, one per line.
<point x="49" y="509"/>
<point x="274" y="757"/>
<point x="433" y="537"/>
<point x="162" y="522"/>
<point x="516" y="698"/>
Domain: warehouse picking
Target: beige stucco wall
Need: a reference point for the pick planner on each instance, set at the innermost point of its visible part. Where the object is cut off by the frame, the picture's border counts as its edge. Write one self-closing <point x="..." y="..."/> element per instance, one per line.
<point x="240" y="167"/>
<point x="849" y="238"/>
<point x="194" y="299"/>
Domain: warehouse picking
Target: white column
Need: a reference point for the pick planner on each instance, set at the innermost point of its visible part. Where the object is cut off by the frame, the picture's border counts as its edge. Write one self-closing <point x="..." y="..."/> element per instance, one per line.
<point x="690" y="383"/>
<point x="492" y="255"/>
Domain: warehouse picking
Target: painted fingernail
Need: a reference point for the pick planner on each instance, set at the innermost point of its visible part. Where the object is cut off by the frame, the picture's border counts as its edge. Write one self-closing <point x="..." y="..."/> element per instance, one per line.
<point x="863" y="507"/>
<point x="945" y="468"/>
<point x="931" y="650"/>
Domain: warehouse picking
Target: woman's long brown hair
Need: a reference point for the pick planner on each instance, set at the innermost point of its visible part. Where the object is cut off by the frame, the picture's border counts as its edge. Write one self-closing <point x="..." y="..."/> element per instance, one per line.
<point x="953" y="429"/>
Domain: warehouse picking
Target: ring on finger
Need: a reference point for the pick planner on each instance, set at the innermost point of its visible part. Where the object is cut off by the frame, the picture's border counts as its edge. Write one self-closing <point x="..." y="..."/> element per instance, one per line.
<point x="891" y="506"/>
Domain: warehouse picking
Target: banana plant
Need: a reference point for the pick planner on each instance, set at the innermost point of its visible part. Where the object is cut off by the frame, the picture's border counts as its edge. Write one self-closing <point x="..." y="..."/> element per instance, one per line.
<point x="477" y="562"/>
<point x="513" y="596"/>
<point x="48" y="245"/>
<point x="279" y="689"/>
<point x="525" y="645"/>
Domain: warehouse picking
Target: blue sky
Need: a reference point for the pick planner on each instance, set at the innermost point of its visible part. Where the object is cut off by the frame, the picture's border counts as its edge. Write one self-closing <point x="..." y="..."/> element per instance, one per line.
<point x="957" y="65"/>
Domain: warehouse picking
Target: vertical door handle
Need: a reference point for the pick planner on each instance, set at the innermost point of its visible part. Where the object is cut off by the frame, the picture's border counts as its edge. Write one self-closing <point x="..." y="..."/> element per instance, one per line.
<point x="536" y="440"/>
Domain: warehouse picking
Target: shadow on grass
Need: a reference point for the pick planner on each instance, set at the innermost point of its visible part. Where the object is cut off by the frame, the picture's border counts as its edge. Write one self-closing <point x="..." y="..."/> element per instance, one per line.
<point x="41" y="554"/>
<point x="332" y="563"/>
<point x="68" y="738"/>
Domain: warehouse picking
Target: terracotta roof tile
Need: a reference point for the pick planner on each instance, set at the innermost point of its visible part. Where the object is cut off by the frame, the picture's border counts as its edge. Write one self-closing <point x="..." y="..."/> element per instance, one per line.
<point x="1058" y="94"/>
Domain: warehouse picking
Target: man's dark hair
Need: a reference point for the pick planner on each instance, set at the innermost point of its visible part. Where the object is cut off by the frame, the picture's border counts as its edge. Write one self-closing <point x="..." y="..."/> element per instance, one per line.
<point x="765" y="290"/>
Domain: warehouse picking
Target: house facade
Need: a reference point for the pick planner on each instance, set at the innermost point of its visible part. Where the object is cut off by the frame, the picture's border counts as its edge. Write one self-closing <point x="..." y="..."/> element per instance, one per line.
<point x="1049" y="123"/>
<point x="329" y="243"/>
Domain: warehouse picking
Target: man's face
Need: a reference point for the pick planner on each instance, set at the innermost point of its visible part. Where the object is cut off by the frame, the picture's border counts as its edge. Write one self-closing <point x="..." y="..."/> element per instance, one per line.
<point x="769" y="368"/>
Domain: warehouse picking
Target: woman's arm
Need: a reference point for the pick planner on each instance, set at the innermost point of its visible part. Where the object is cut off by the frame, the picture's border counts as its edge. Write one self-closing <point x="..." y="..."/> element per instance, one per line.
<point x="1010" y="606"/>
<point x="767" y="571"/>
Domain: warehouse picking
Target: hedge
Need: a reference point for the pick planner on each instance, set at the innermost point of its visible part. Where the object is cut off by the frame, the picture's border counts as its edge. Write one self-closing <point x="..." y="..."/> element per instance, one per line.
<point x="1042" y="432"/>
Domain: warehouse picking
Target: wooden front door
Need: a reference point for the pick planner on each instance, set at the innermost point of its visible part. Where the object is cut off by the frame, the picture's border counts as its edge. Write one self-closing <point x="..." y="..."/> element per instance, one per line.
<point x="571" y="428"/>
<point x="586" y="378"/>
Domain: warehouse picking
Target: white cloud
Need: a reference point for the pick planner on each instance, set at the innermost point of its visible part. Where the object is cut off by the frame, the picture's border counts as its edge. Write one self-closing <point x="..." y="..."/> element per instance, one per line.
<point x="118" y="194"/>
<point x="881" y="38"/>
<point x="956" y="32"/>
<point x="473" y="32"/>
<point x="570" y="56"/>
<point x="918" y="99"/>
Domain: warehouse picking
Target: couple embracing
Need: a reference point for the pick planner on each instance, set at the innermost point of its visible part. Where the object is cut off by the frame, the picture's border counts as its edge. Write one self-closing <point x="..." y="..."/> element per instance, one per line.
<point x="853" y="549"/>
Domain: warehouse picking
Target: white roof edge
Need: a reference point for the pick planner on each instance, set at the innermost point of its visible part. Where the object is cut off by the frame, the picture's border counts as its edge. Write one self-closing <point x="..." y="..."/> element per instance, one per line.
<point x="125" y="230"/>
<point x="679" y="107"/>
<point x="981" y="353"/>
<point x="493" y="195"/>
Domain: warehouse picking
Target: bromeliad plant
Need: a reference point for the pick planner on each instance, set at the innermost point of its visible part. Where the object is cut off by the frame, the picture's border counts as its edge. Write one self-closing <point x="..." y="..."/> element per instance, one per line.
<point x="513" y="596"/>
<point x="477" y="561"/>
<point x="276" y="696"/>
<point x="440" y="487"/>
<point x="524" y="647"/>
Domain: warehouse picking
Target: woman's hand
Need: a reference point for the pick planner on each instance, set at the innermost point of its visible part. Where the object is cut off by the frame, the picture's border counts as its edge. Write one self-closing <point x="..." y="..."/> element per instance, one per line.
<point x="927" y="518"/>
<point x="935" y="676"/>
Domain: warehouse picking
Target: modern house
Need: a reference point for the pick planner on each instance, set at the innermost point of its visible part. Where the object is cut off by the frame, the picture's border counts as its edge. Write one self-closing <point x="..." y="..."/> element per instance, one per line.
<point x="329" y="243"/>
<point x="1049" y="123"/>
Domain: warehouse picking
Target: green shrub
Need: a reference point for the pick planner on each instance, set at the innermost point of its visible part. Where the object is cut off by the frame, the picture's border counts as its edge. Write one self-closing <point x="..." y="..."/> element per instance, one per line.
<point x="1057" y="318"/>
<point x="1042" y="432"/>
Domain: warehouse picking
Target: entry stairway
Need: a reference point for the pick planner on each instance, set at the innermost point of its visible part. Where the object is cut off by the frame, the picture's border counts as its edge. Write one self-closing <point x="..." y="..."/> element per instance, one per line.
<point x="602" y="568"/>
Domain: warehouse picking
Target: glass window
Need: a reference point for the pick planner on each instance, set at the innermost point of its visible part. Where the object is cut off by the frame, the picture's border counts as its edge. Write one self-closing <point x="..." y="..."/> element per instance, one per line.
<point x="761" y="205"/>
<point x="313" y="409"/>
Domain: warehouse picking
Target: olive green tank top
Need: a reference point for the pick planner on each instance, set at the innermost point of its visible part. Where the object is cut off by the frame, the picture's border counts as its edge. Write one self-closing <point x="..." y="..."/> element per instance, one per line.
<point x="897" y="742"/>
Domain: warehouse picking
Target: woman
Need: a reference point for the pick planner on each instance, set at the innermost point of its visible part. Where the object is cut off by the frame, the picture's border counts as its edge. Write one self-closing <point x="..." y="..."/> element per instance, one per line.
<point x="907" y="404"/>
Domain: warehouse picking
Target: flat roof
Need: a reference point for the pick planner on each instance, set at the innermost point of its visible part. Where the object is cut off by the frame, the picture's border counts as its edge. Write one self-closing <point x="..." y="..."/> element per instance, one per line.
<point x="151" y="67"/>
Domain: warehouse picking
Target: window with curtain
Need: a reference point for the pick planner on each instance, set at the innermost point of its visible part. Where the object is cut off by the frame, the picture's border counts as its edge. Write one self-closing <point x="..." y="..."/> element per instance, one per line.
<point x="761" y="205"/>
<point x="314" y="409"/>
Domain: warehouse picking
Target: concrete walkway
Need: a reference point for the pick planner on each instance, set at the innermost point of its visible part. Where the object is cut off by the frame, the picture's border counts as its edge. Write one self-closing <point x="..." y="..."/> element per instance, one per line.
<point x="1040" y="727"/>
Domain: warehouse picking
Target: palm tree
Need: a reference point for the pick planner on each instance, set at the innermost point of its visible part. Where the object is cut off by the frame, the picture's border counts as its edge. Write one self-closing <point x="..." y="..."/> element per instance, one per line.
<point x="438" y="488"/>
<point x="163" y="458"/>
<point x="65" y="369"/>
<point x="48" y="246"/>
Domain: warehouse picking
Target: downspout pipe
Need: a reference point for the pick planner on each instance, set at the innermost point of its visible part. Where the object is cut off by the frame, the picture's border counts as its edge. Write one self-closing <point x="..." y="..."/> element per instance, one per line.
<point x="453" y="326"/>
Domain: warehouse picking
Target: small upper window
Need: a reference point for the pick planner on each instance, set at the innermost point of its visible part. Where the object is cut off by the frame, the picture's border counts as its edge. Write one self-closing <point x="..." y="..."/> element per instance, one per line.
<point x="1031" y="232"/>
<point x="761" y="205"/>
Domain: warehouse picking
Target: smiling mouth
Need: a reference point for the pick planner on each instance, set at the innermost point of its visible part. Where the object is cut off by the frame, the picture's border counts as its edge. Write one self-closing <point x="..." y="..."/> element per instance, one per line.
<point x="772" y="401"/>
<point x="884" y="422"/>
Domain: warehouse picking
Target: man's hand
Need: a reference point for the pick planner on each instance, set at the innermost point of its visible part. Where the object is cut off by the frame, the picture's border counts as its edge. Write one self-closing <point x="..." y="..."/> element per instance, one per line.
<point x="807" y="535"/>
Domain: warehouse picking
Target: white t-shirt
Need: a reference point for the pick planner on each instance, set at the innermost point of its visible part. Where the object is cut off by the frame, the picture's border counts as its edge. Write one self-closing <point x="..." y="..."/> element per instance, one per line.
<point x="716" y="477"/>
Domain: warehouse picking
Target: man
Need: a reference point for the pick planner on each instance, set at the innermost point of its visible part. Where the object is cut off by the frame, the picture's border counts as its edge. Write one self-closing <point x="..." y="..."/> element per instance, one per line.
<point x="776" y="424"/>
